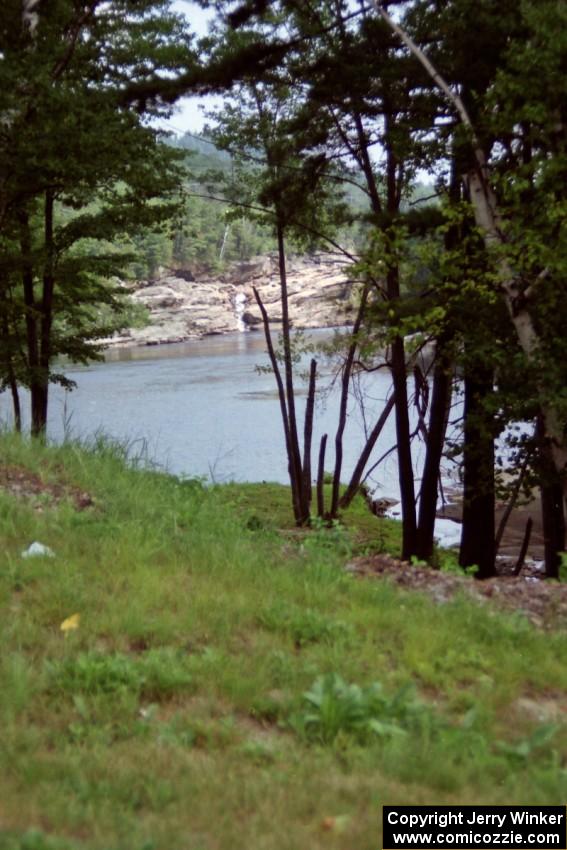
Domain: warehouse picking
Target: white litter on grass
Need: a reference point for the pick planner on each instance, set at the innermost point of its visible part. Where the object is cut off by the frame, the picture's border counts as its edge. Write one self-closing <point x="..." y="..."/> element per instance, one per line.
<point x="38" y="550"/>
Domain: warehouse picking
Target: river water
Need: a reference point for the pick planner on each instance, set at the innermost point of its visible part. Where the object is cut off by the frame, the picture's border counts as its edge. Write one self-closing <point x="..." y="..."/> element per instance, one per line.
<point x="201" y="408"/>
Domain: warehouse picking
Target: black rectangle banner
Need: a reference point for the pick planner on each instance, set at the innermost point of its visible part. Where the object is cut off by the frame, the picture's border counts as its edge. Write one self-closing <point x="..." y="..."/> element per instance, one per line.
<point x="479" y="827"/>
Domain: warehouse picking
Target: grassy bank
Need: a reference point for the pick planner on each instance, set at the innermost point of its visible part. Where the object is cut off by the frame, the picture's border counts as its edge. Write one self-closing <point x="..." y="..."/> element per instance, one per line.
<point x="204" y="702"/>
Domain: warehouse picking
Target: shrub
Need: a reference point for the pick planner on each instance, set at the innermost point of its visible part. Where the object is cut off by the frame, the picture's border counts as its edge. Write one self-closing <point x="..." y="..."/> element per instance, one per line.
<point x="332" y="707"/>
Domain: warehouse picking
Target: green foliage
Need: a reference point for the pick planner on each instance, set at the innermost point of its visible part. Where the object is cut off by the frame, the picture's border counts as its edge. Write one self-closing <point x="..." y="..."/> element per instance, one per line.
<point x="212" y="229"/>
<point x="523" y="750"/>
<point x="329" y="535"/>
<point x="332" y="708"/>
<point x="448" y="562"/>
<point x="157" y="674"/>
<point x="303" y="625"/>
<point x="275" y="177"/>
<point x="34" y="839"/>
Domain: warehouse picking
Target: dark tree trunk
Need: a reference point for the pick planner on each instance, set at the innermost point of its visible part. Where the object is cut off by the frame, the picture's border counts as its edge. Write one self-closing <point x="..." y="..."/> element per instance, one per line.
<point x="15" y="401"/>
<point x="478" y="531"/>
<point x="11" y="376"/>
<point x="299" y="473"/>
<point x="294" y="483"/>
<point x="399" y="369"/>
<point x="308" y="435"/>
<point x="39" y="393"/>
<point x="295" y="454"/>
<point x="46" y="314"/>
<point x="553" y="527"/>
<point x="321" y="478"/>
<point x="39" y="315"/>
<point x="358" y="471"/>
<point x="405" y="462"/>
<point x="31" y="317"/>
<point x="552" y="509"/>
<point x="394" y="173"/>
<point x="511" y="505"/>
<point x="345" y="384"/>
<point x="366" y="164"/>
<point x="524" y="547"/>
<point x="440" y="404"/>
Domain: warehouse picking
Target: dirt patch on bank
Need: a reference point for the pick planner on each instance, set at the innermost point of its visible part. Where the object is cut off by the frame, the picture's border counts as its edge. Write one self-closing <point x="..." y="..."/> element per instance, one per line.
<point x="544" y="603"/>
<point x="31" y="487"/>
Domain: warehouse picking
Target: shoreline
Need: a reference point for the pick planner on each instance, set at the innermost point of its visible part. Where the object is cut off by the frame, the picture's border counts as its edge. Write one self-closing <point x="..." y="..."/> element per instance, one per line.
<point x="515" y="527"/>
<point x="183" y="305"/>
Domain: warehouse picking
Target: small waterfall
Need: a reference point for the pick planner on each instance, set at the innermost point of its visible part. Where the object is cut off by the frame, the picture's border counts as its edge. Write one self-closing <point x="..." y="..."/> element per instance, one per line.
<point x="239" y="309"/>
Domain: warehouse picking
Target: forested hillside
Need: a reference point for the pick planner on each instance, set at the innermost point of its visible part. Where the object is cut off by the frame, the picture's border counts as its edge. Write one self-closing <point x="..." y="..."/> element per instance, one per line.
<point x="213" y="230"/>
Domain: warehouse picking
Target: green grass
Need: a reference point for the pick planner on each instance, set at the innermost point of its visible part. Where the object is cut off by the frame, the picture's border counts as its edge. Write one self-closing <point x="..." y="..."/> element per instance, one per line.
<point x="266" y="507"/>
<point x="231" y="686"/>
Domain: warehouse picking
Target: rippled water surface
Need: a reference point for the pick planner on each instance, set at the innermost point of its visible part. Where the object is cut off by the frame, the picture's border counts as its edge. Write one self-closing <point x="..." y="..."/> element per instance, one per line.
<point x="202" y="408"/>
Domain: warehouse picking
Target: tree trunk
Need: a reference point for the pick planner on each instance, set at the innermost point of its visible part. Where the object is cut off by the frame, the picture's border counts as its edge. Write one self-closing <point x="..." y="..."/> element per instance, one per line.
<point x="308" y="436"/>
<point x="440" y="404"/>
<point x="31" y="318"/>
<point x="321" y="477"/>
<point x="398" y="365"/>
<point x="11" y="376"/>
<point x="405" y="462"/>
<point x="511" y="505"/>
<point x="440" y="407"/>
<point x="345" y="384"/>
<point x="358" y="471"/>
<point x="478" y="531"/>
<point x="294" y="483"/>
<point x="295" y="454"/>
<point x="553" y="527"/>
<point x="552" y="512"/>
<point x="15" y="403"/>
<point x="299" y="473"/>
<point x="42" y="390"/>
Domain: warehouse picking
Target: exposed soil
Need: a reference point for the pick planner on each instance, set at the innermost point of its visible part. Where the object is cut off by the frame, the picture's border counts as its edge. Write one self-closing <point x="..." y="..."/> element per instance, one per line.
<point x="543" y="603"/>
<point x="27" y="485"/>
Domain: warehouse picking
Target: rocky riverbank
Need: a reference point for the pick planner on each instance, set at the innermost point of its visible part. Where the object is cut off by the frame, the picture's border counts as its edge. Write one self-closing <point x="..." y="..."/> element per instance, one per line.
<point x="184" y="304"/>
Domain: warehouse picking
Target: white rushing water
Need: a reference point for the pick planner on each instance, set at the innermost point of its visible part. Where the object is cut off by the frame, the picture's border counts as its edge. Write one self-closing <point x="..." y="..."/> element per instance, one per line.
<point x="239" y="310"/>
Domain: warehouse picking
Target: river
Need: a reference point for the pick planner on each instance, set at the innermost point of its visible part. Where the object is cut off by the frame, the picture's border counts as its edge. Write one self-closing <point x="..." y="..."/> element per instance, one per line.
<point x="201" y="408"/>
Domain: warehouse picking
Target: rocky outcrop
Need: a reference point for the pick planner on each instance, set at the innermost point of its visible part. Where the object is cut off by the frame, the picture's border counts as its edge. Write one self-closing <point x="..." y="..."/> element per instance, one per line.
<point x="185" y="305"/>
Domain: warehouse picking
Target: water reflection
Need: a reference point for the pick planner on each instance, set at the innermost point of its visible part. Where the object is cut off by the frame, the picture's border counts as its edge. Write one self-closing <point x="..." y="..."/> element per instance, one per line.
<point x="210" y="346"/>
